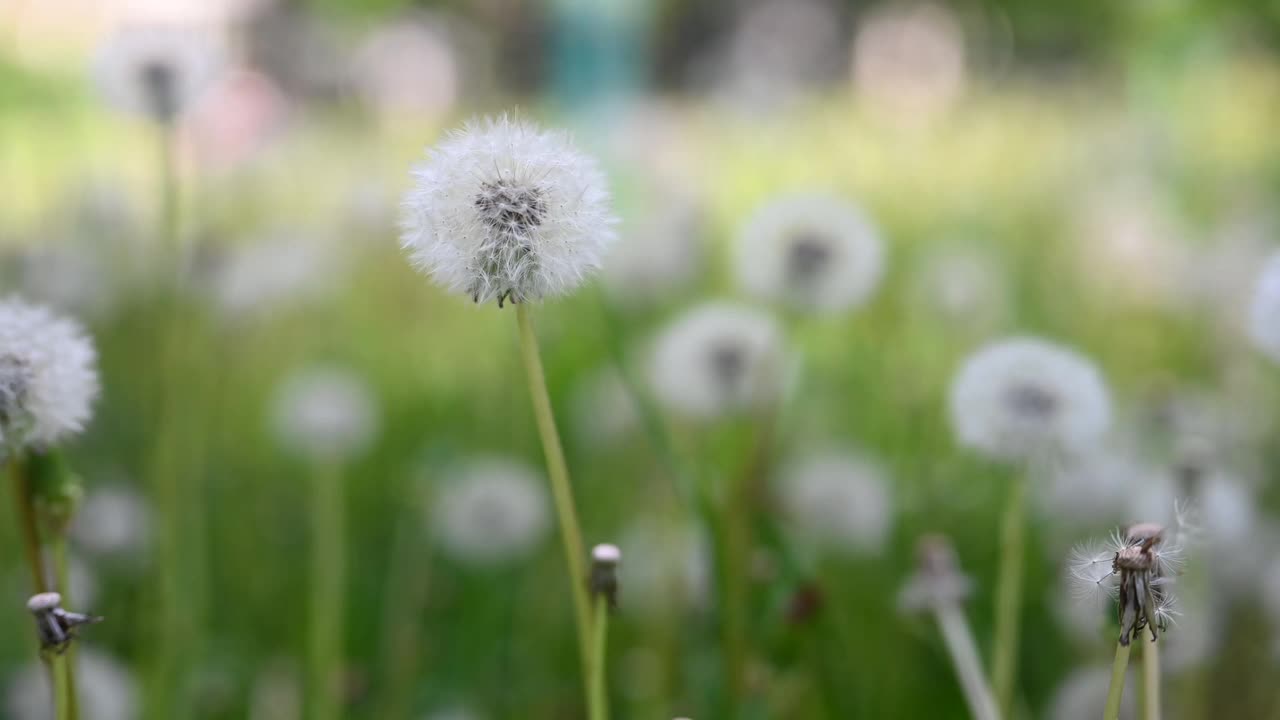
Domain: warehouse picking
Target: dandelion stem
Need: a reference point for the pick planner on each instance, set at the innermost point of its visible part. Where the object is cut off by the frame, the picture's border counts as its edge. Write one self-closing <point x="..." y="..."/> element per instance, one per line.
<point x="964" y="655"/>
<point x="62" y="570"/>
<point x="598" y="708"/>
<point x="61" y="669"/>
<point x="1151" y="681"/>
<point x="558" y="473"/>
<point x="328" y="570"/>
<point x="1116" y="691"/>
<point x="24" y="505"/>
<point x="1009" y="595"/>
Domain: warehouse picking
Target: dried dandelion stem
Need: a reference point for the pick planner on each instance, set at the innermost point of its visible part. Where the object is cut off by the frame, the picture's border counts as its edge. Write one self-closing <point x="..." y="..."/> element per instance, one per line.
<point x="1009" y="595"/>
<point x="964" y="655"/>
<point x="1151" y="680"/>
<point x="558" y="473"/>
<point x="328" y="570"/>
<point x="1115" y="693"/>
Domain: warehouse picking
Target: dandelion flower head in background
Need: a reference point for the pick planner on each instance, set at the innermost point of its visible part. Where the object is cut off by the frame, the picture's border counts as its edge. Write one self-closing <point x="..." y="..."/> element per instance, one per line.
<point x="502" y="210"/>
<point x="814" y="252"/>
<point x="325" y="412"/>
<point x="1026" y="398"/>
<point x="48" y="375"/>
<point x="1084" y="695"/>
<point x="490" y="510"/>
<point x="1264" y="311"/>
<point x="112" y="521"/>
<point x="107" y="690"/>
<point x="938" y="581"/>
<point x="604" y="411"/>
<point x="717" y="359"/>
<point x="159" y="72"/>
<point x="839" y="499"/>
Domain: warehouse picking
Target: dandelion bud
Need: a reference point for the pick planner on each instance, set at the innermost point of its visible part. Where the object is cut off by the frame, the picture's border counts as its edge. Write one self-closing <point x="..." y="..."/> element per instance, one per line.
<point x="604" y="573"/>
<point x="48" y="376"/>
<point x="502" y="211"/>
<point x="54" y="626"/>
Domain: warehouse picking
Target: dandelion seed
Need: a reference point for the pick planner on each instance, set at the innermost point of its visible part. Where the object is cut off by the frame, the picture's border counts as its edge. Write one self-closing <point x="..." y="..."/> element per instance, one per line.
<point x="105" y="686"/>
<point x="815" y="252"/>
<point x="1026" y="398"/>
<point x="718" y="359"/>
<point x="839" y="499"/>
<point x="158" y="72"/>
<point x="502" y="211"/>
<point x="325" y="412"/>
<point x="48" y="376"/>
<point x="489" y="511"/>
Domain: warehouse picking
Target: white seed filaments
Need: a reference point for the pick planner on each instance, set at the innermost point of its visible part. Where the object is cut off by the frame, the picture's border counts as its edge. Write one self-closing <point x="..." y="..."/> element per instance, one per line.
<point x="504" y="211"/>
<point x="1138" y="568"/>
<point x="490" y="511"/>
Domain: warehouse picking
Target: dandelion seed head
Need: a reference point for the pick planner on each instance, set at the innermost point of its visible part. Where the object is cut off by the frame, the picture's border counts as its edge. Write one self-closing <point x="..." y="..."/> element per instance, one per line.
<point x="107" y="689"/>
<point x="48" y="375"/>
<point x="814" y="252"/>
<point x="718" y="359"/>
<point x="503" y="210"/>
<point x="325" y="412"/>
<point x="1264" y="310"/>
<point x="937" y="581"/>
<point x="113" y="521"/>
<point x="839" y="499"/>
<point x="159" y="72"/>
<point x="490" y="510"/>
<point x="1026" y="398"/>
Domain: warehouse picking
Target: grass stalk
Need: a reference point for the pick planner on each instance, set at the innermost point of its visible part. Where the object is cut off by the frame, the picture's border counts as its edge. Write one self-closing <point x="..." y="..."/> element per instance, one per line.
<point x="598" y="706"/>
<point x="1115" y="693"/>
<point x="1009" y="595"/>
<point x="1151" y="680"/>
<point x="964" y="656"/>
<point x="558" y="474"/>
<point x="62" y="571"/>
<point x="328" y="578"/>
<point x="24" y="506"/>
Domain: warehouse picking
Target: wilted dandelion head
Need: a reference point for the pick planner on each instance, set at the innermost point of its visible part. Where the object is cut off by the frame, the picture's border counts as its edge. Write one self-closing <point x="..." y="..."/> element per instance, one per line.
<point x="112" y="521"/>
<point x="48" y="375"/>
<point x="840" y="499"/>
<point x="815" y="252"/>
<point x="1264" y="311"/>
<point x="1084" y="695"/>
<point x="490" y="510"/>
<point x="502" y="210"/>
<point x="1025" y="398"/>
<point x="158" y="72"/>
<point x="325" y="413"/>
<point x="716" y="359"/>
<point x="107" y="689"/>
<point x="1138" y="567"/>
<point x="937" y="581"/>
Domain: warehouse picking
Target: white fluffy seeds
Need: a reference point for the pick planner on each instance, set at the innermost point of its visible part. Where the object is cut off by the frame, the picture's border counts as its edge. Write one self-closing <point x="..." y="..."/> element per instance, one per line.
<point x="839" y="499"/>
<point x="502" y="210"/>
<point x="325" y="412"/>
<point x="489" y="511"/>
<point x="158" y="72"/>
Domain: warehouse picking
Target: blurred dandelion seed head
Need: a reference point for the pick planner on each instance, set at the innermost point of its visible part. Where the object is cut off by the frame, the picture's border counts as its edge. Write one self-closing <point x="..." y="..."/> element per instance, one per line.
<point x="112" y="521"/>
<point x="839" y="499"/>
<point x="48" y="375"/>
<point x="814" y="252"/>
<point x="489" y="511"/>
<point x="717" y="359"/>
<point x="604" y="410"/>
<point x="1026" y="398"/>
<point x="1264" y="311"/>
<point x="504" y="210"/>
<point x="159" y="72"/>
<point x="937" y="581"/>
<point x="325" y="413"/>
<point x="107" y="689"/>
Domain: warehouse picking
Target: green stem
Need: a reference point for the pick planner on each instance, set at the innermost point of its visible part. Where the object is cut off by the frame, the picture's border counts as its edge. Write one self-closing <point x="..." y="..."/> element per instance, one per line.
<point x="1009" y="596"/>
<point x="61" y="669"/>
<point x="62" y="570"/>
<point x="598" y="707"/>
<point x="558" y="472"/>
<point x="1151" y="681"/>
<point x="403" y="614"/>
<point x="1116" y="691"/>
<point x="24" y="505"/>
<point x="964" y="656"/>
<point x="328" y="576"/>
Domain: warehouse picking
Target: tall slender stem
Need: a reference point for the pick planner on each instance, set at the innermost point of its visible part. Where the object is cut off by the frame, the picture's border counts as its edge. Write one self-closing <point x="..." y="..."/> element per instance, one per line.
<point x="1151" y="680"/>
<point x="62" y="569"/>
<point x="598" y="707"/>
<point x="24" y="505"/>
<point x="558" y="472"/>
<point x="328" y="576"/>
<point x="60" y="667"/>
<point x="408" y="584"/>
<point x="1009" y="595"/>
<point x="964" y="655"/>
<point x="1115" y="693"/>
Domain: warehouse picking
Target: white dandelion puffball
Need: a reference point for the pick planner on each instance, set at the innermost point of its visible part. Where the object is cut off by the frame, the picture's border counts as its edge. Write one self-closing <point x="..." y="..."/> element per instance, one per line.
<point x="1084" y="695"/>
<point x="504" y="210"/>
<point x="718" y="358"/>
<point x="1026" y="398"/>
<point x="159" y="72"/>
<point x="839" y="499"/>
<point x="48" y="375"/>
<point x="490" y="510"/>
<point x="964" y="287"/>
<point x="275" y="271"/>
<point x="812" y="251"/>
<point x="668" y="567"/>
<point x="107" y="690"/>
<point x="604" y="411"/>
<point x="1264" y="311"/>
<point x="656" y="257"/>
<point x="325" y="412"/>
<point x="112" y="521"/>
